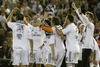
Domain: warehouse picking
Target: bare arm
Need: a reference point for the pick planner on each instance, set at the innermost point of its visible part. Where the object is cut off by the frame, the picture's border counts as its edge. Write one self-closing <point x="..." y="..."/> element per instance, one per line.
<point x="53" y="51"/>
<point x="9" y="18"/>
<point x="47" y="28"/>
<point x="82" y="17"/>
<point x="31" y="46"/>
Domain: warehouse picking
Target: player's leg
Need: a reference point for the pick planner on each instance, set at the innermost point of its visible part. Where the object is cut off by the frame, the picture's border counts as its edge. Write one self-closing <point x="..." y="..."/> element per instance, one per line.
<point x="39" y="59"/>
<point x="16" y="58"/>
<point x="69" y="65"/>
<point x="31" y="60"/>
<point x="60" y="57"/>
<point x="30" y="64"/>
<point x="25" y="58"/>
<point x="48" y="60"/>
<point x="15" y="66"/>
<point x="85" y="57"/>
<point x="48" y="65"/>
<point x="72" y="58"/>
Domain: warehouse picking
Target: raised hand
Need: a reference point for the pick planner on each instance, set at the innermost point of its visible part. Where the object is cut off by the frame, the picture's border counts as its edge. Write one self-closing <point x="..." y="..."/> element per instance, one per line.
<point x="74" y="6"/>
<point x="79" y="10"/>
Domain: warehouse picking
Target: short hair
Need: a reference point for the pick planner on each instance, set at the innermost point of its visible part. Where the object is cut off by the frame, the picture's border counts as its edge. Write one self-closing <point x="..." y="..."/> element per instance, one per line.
<point x="70" y="17"/>
<point x="2" y="11"/>
<point x="90" y="14"/>
<point x="56" y="20"/>
<point x="19" y="16"/>
<point x="47" y="22"/>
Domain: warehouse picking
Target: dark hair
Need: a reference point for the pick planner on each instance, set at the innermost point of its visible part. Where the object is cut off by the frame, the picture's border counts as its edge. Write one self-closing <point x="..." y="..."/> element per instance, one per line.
<point x="19" y="16"/>
<point x="47" y="22"/>
<point x="2" y="11"/>
<point x="70" y="17"/>
<point x="56" y="20"/>
<point x="17" y="12"/>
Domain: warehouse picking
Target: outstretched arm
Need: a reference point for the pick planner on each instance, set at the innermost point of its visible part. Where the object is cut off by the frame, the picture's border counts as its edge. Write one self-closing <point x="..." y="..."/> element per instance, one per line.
<point x="47" y="28"/>
<point x="82" y="17"/>
<point x="9" y="18"/>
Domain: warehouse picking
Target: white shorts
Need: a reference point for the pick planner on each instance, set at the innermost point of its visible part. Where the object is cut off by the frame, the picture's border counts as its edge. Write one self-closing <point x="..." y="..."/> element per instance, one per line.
<point x="20" y="56"/>
<point x="47" y="58"/>
<point x="72" y="57"/>
<point x="59" y="59"/>
<point x="38" y="57"/>
<point x="80" y="57"/>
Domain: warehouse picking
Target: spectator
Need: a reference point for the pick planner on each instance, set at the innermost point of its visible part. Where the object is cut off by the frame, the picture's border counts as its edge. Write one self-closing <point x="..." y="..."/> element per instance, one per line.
<point x="7" y="8"/>
<point x="98" y="11"/>
<point x="37" y="7"/>
<point x="5" y="56"/>
<point x="1" y="2"/>
<point x="2" y="27"/>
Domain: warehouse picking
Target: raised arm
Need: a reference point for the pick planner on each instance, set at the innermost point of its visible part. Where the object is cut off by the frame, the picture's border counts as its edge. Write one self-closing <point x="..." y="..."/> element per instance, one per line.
<point x="9" y="18"/>
<point x="82" y="17"/>
<point x="47" y="28"/>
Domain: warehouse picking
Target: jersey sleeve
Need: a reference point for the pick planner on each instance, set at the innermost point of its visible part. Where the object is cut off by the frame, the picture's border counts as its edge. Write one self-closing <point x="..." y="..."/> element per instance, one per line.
<point x="11" y="24"/>
<point x="83" y="18"/>
<point x="47" y="29"/>
<point x="66" y="30"/>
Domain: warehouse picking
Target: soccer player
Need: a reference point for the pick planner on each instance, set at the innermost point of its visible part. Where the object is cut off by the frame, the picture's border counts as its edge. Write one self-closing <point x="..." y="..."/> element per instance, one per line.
<point x="21" y="40"/>
<point x="49" y="48"/>
<point x="59" y="43"/>
<point x="72" y="46"/>
<point x="81" y="28"/>
<point x="38" y="36"/>
<point x="49" y="51"/>
<point x="88" y="34"/>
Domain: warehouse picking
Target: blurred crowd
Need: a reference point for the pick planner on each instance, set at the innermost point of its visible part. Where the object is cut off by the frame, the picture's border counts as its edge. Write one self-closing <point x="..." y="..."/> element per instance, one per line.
<point x="31" y="8"/>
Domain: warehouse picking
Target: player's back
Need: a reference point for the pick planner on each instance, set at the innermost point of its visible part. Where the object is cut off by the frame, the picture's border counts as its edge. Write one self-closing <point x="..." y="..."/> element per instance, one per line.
<point x="20" y="34"/>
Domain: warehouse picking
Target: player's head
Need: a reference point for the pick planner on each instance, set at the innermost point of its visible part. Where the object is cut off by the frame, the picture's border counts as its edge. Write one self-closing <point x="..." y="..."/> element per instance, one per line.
<point x="70" y="18"/>
<point x="56" y="20"/>
<point x="19" y="17"/>
<point x="89" y="15"/>
<point x="37" y="22"/>
<point x="2" y="12"/>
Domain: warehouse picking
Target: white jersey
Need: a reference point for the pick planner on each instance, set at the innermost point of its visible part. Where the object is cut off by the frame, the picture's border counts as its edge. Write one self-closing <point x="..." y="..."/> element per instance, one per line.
<point x="38" y="36"/>
<point x="88" y="32"/>
<point x="48" y="41"/>
<point x="71" y="32"/>
<point x="2" y="19"/>
<point x="30" y="26"/>
<point x="21" y="35"/>
<point x="59" y="45"/>
<point x="97" y="50"/>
